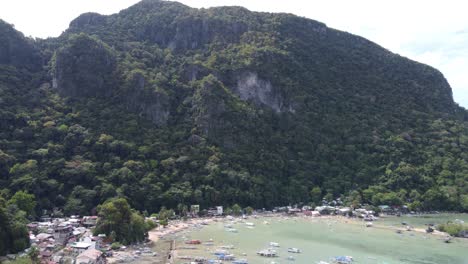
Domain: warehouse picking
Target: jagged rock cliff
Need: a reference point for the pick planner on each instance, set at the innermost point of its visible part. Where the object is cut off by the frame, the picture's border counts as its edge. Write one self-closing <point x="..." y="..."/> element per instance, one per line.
<point x="16" y="50"/>
<point x="166" y="104"/>
<point x="85" y="67"/>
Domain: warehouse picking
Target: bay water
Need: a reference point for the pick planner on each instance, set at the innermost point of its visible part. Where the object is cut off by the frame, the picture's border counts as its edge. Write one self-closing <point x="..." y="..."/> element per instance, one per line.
<point x="320" y="239"/>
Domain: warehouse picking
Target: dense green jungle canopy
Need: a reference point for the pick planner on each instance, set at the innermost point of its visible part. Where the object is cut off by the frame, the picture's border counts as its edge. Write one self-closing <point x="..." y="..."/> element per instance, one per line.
<point x="164" y="104"/>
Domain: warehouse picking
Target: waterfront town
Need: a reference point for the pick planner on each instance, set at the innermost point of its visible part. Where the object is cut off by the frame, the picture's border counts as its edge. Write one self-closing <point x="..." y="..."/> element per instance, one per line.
<point x="71" y="240"/>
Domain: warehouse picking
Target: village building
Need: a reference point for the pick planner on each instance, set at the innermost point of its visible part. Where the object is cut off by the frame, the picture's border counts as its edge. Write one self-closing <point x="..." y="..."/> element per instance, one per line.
<point x="293" y="211"/>
<point x="80" y="247"/>
<point x="90" y="256"/>
<point x="62" y="233"/>
<point x="45" y="255"/>
<point x="43" y="236"/>
<point x="89" y="221"/>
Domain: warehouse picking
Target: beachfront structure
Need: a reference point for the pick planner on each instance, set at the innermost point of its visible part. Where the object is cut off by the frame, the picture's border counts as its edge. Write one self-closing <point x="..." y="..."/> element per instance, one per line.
<point x="195" y="209"/>
<point x="293" y="211"/>
<point x="219" y="210"/>
<point x="315" y="213"/>
<point x="324" y="210"/>
<point x="344" y="211"/>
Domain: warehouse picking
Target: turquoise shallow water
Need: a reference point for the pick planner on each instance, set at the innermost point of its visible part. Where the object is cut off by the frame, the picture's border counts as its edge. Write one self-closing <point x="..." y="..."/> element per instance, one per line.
<point x="422" y="220"/>
<point x="321" y="239"/>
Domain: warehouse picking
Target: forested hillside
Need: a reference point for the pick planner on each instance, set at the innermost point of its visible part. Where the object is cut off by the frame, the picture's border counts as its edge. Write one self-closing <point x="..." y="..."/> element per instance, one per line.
<point x="164" y="105"/>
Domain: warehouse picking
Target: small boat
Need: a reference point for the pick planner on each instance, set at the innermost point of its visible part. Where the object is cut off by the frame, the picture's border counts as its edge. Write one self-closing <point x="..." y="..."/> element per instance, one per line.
<point x="274" y="244"/>
<point x="294" y="250"/>
<point x="342" y="259"/>
<point x="322" y="262"/>
<point x="369" y="224"/>
<point x="249" y="224"/>
<point x="227" y="247"/>
<point x="232" y="230"/>
<point x="269" y="253"/>
<point x="220" y="252"/>
<point x="291" y="258"/>
<point x="226" y="257"/>
<point x="193" y="242"/>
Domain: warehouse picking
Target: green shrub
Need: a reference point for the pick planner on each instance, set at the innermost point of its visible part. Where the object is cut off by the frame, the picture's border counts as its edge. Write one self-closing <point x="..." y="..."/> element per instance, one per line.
<point x="116" y="245"/>
<point x="452" y="229"/>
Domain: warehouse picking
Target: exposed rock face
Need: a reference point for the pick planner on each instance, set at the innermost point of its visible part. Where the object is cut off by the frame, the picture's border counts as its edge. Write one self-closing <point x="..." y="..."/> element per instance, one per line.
<point x="85" y="67"/>
<point x="191" y="33"/>
<point x="88" y="19"/>
<point x="251" y="87"/>
<point x="194" y="33"/>
<point x="16" y="50"/>
<point x="151" y="104"/>
<point x="209" y="106"/>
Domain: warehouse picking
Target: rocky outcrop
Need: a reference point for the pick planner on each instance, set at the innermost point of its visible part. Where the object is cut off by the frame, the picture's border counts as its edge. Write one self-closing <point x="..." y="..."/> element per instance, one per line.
<point x="16" y="50"/>
<point x="148" y="102"/>
<point x="85" y="67"/>
<point x="252" y="88"/>
<point x="87" y="20"/>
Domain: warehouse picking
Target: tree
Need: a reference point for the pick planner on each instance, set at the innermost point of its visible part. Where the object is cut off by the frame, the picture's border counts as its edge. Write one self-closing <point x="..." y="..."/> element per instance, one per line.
<point x="34" y="255"/>
<point x="182" y="209"/>
<point x="464" y="202"/>
<point x="117" y="218"/>
<point x="249" y="210"/>
<point x="354" y="199"/>
<point x="228" y="211"/>
<point x="14" y="236"/>
<point x="24" y="201"/>
<point x="165" y="214"/>
<point x="164" y="222"/>
<point x="236" y="209"/>
<point x="316" y="195"/>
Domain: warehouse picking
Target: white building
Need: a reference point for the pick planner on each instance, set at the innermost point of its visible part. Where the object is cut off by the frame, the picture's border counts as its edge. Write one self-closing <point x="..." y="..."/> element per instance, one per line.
<point x="80" y="247"/>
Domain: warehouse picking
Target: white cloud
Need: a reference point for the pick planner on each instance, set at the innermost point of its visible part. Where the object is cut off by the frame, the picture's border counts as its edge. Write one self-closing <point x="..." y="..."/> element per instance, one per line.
<point x="432" y="32"/>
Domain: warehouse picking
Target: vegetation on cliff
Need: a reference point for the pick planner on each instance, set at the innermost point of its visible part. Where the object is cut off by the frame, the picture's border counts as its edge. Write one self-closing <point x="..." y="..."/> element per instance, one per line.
<point x="165" y="105"/>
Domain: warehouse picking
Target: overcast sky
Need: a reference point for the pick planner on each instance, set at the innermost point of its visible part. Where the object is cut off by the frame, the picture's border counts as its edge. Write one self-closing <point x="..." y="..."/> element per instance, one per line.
<point x="432" y="32"/>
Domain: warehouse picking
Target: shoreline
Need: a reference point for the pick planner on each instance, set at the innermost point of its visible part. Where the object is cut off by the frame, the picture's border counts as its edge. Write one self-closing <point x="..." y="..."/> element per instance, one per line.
<point x="158" y="233"/>
<point x="169" y="253"/>
<point x="378" y="225"/>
